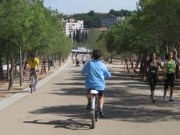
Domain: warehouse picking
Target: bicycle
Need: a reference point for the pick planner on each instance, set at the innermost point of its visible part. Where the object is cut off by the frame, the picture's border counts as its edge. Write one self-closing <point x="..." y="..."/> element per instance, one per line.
<point x="32" y="80"/>
<point x="94" y="107"/>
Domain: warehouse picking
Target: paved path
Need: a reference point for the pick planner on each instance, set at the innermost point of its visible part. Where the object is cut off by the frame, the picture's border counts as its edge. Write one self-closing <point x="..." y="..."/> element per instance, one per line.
<point x="58" y="108"/>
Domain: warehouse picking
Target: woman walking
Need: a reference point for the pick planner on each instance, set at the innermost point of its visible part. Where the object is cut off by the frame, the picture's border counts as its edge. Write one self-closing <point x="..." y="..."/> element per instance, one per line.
<point x="152" y="74"/>
<point x="169" y="68"/>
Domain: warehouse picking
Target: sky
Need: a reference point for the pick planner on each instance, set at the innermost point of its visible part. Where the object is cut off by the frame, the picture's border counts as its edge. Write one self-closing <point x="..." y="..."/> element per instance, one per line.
<point x="84" y="6"/>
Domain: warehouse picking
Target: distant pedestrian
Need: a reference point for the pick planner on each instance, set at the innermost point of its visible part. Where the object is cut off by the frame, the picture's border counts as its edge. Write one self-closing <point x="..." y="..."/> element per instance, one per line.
<point x="73" y="58"/>
<point x="152" y="73"/>
<point x="77" y="59"/>
<point x="43" y="68"/>
<point x="169" y="68"/>
<point x="84" y="59"/>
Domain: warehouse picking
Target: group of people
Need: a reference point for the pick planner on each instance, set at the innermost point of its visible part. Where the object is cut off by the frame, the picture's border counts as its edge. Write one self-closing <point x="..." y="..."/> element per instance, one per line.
<point x="96" y="72"/>
<point x="76" y="59"/>
<point x="168" y="71"/>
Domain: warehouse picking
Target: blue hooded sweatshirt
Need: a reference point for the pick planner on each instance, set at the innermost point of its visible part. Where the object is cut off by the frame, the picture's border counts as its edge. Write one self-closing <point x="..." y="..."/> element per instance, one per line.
<point x="95" y="72"/>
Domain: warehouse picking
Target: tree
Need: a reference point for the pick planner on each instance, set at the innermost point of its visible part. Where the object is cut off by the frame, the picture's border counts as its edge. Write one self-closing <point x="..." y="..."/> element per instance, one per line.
<point x="28" y="25"/>
<point x="92" y="38"/>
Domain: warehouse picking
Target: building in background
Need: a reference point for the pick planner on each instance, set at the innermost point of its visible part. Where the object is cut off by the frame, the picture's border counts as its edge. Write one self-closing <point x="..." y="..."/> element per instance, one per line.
<point x="110" y="21"/>
<point x="71" y="25"/>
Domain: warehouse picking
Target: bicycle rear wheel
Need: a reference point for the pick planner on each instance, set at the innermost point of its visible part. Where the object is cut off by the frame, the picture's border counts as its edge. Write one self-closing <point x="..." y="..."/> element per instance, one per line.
<point x="96" y="108"/>
<point x="93" y="119"/>
<point x="93" y="112"/>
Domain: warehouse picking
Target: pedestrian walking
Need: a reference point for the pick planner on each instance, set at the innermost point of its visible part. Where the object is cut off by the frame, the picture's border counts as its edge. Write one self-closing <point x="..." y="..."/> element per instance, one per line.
<point x="169" y="68"/>
<point x="152" y="73"/>
<point x="84" y="59"/>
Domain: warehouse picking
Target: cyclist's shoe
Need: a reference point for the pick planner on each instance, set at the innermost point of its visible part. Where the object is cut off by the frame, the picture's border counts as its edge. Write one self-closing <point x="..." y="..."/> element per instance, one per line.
<point x="101" y="113"/>
<point x="171" y="100"/>
<point x="88" y="107"/>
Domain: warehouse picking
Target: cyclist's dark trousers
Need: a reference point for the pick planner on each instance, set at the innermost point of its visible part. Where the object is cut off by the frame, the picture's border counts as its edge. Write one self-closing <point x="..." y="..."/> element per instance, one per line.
<point x="33" y="72"/>
<point x="169" y="81"/>
<point x="152" y="78"/>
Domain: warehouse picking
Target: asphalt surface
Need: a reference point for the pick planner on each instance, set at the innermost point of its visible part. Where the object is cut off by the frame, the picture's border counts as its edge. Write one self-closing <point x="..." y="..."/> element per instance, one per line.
<point x="58" y="108"/>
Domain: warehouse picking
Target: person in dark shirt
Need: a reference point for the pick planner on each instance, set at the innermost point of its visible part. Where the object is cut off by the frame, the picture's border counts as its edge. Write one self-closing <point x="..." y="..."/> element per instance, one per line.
<point x="152" y="73"/>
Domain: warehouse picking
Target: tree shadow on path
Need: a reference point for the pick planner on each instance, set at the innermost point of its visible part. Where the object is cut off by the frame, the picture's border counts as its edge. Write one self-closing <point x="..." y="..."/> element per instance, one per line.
<point x="121" y="104"/>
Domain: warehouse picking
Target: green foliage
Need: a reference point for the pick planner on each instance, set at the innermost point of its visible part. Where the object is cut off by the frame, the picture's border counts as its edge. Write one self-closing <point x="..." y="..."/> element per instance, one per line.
<point x="153" y="27"/>
<point x="93" y="19"/>
<point x="79" y="36"/>
<point x="93" y="36"/>
<point x="27" y="23"/>
<point x="120" y="13"/>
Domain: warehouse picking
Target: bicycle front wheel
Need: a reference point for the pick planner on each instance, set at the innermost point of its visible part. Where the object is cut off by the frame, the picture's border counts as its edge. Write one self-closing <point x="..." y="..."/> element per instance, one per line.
<point x="33" y="87"/>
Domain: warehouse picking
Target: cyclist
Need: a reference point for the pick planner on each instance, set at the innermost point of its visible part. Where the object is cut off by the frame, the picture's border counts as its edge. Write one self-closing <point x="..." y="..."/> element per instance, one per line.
<point x="152" y="73"/>
<point x="33" y="62"/>
<point x="95" y="72"/>
<point x="170" y="67"/>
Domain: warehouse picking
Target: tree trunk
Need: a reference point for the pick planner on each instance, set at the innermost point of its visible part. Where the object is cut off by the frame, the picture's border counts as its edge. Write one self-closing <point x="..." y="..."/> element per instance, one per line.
<point x="43" y="68"/>
<point x="15" y="69"/>
<point x="11" y="71"/>
<point x="137" y="64"/>
<point x="127" y="67"/>
<point x="131" y="62"/>
<point x="111" y="58"/>
<point x="59" y="60"/>
<point x="143" y="66"/>
<point x="177" y="59"/>
<point x="1" y="68"/>
<point x="126" y="62"/>
<point x="8" y="67"/>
